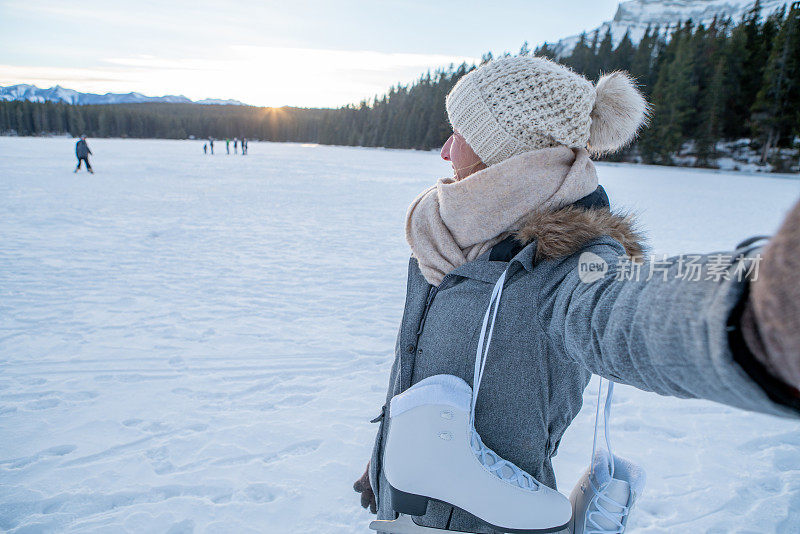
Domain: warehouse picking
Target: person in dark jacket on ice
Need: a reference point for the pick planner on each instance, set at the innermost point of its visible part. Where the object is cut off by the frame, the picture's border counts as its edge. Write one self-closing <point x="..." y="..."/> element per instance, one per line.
<point x="82" y="153"/>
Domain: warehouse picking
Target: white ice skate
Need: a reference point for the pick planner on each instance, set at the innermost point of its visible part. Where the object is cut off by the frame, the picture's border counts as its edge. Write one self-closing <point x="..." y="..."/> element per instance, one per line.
<point x="603" y="498"/>
<point x="434" y="452"/>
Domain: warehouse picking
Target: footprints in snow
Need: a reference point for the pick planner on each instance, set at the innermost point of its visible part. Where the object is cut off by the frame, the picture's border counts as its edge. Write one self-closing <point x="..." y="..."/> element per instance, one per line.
<point x="159" y="456"/>
<point x="64" y="508"/>
<point x="282" y="394"/>
<point x="296" y="449"/>
<point x="260" y="493"/>
<point x="779" y="449"/>
<point x="42" y="404"/>
<point x="170" y="448"/>
<point x="17" y="463"/>
<point x="43" y="400"/>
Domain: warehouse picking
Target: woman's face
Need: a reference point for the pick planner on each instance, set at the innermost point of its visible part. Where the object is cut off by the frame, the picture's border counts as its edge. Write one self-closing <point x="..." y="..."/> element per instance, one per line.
<point x="461" y="157"/>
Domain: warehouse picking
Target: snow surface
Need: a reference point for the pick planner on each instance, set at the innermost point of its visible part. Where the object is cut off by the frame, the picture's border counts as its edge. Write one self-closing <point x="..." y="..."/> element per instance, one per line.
<point x="192" y="343"/>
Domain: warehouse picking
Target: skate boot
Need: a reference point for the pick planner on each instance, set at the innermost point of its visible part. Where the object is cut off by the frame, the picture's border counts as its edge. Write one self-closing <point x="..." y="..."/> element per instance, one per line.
<point x="433" y="452"/>
<point x="602" y="501"/>
<point x="604" y="496"/>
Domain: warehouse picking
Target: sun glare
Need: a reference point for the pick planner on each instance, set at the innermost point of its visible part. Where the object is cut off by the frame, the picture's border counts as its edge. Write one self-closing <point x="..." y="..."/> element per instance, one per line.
<point x="257" y="75"/>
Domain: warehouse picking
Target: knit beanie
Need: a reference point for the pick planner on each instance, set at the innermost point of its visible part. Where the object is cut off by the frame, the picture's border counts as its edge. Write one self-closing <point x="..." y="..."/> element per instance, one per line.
<point x="518" y="104"/>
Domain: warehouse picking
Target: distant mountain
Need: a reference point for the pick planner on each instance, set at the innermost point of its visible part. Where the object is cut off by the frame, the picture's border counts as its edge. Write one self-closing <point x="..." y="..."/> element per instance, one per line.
<point x="70" y="96"/>
<point x="636" y="15"/>
<point x="219" y="102"/>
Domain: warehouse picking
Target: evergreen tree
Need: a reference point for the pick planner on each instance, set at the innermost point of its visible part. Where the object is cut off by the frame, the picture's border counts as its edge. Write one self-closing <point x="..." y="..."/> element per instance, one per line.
<point x="747" y="55"/>
<point x="545" y="51"/>
<point x="641" y="64"/>
<point x="581" y="56"/>
<point x="622" y="58"/>
<point x="712" y="110"/>
<point x="591" y="63"/>
<point x="605" y="60"/>
<point x="756" y="51"/>
<point x="776" y="111"/>
<point x="711" y="71"/>
<point x="673" y="100"/>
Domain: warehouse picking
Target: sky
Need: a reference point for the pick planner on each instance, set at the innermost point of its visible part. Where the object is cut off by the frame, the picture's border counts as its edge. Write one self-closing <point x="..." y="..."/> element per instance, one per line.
<point x="306" y="53"/>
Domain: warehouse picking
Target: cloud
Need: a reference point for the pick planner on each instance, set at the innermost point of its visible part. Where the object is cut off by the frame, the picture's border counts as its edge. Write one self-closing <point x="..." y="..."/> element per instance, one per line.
<point x="42" y="76"/>
<point x="260" y="75"/>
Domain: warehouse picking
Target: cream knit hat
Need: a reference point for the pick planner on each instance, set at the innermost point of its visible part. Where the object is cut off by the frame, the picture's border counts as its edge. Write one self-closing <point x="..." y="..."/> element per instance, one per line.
<point x="519" y="104"/>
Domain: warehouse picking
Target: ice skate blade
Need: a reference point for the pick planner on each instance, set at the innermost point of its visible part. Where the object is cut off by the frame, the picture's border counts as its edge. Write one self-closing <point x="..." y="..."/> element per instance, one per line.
<point x="404" y="525"/>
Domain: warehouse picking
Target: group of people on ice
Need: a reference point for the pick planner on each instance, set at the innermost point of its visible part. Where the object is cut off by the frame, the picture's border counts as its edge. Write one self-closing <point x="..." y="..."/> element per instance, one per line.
<point x="82" y="151"/>
<point x="236" y="143"/>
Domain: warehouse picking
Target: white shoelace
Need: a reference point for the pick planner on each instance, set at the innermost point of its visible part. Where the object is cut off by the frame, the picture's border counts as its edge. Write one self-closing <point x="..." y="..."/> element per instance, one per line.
<point x="611" y="515"/>
<point x="503" y="469"/>
<point x="509" y="472"/>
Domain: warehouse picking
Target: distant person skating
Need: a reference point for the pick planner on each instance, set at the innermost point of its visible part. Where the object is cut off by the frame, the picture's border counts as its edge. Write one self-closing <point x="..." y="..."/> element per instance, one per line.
<point x="211" y="144"/>
<point x="82" y="153"/>
<point x="235" y="145"/>
<point x="205" y="148"/>
<point x="228" y="146"/>
<point x="244" y="146"/>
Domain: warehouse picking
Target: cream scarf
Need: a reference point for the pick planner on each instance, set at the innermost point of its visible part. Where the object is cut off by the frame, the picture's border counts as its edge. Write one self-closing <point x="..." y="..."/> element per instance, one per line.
<point x="454" y="222"/>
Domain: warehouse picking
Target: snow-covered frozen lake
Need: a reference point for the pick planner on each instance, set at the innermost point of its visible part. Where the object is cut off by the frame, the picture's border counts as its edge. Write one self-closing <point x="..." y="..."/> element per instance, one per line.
<point x="196" y="344"/>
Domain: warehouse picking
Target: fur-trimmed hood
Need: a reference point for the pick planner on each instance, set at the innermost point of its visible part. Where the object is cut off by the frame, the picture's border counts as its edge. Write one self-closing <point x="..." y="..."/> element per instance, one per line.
<point x="565" y="231"/>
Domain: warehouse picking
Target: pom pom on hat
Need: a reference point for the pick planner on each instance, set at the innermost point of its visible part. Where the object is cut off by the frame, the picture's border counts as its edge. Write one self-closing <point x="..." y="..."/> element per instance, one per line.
<point x="620" y="110"/>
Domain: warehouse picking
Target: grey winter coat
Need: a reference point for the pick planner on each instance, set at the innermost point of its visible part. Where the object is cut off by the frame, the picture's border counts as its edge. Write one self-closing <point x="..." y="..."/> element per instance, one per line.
<point x="666" y="334"/>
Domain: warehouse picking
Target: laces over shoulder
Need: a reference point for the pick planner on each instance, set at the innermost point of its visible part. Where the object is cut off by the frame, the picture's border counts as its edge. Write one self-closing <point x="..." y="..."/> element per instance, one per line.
<point x="492" y="461"/>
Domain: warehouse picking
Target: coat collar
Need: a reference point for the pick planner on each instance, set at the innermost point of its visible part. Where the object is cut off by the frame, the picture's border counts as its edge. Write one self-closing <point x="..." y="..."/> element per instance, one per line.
<point x="511" y="246"/>
<point x="549" y="235"/>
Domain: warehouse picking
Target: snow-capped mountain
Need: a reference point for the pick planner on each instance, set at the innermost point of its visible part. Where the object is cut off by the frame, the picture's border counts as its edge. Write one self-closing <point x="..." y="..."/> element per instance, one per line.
<point x="70" y="96"/>
<point x="219" y="102"/>
<point x="636" y="15"/>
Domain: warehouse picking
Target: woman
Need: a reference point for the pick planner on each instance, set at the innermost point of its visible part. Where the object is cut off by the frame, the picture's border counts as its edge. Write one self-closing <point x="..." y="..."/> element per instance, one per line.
<point x="524" y="198"/>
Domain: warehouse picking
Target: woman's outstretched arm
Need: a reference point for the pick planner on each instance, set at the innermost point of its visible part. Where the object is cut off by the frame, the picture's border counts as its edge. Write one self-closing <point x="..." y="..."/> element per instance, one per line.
<point x="670" y="325"/>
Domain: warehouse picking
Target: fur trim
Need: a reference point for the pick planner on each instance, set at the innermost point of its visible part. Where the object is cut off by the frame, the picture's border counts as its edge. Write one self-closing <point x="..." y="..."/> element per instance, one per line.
<point x="620" y="110"/>
<point x="563" y="232"/>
